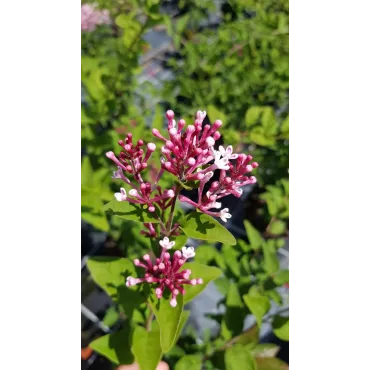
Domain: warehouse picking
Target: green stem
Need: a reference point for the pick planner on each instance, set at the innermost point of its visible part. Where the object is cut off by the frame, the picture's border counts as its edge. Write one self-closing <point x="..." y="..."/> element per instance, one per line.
<point x="172" y="212"/>
<point x="148" y="324"/>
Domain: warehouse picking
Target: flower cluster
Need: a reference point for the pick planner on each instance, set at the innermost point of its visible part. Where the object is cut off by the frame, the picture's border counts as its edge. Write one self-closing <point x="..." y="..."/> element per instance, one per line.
<point x="165" y="271"/>
<point x="132" y="159"/>
<point x="188" y="154"/>
<point x="186" y="151"/>
<point x="90" y="17"/>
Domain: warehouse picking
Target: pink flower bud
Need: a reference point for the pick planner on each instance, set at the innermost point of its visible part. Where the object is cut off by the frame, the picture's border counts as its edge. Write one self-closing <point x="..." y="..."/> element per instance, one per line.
<point x="110" y="155"/>
<point x="210" y="141"/>
<point x="173" y="131"/>
<point x="133" y="193"/>
<point x="191" y="161"/>
<point x="151" y="147"/>
<point x="170" y="115"/>
<point x="216" y="135"/>
<point x="217" y="124"/>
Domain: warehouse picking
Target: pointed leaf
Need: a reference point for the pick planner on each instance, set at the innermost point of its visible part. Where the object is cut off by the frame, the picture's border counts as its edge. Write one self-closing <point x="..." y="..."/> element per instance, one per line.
<point x="258" y="304"/>
<point x="281" y="277"/>
<point x="214" y="114"/>
<point x="115" y="347"/>
<point x="238" y="357"/>
<point x="207" y="273"/>
<point x="232" y="323"/>
<point x="280" y="326"/>
<point x="129" y="211"/>
<point x="250" y="336"/>
<point x="183" y="319"/>
<point x="254" y="236"/>
<point x="189" y="362"/>
<point x="201" y="226"/>
<point x="270" y="363"/>
<point x="265" y="350"/>
<point x="146" y="347"/>
<point x="110" y="274"/>
<point x="271" y="261"/>
<point x="168" y="317"/>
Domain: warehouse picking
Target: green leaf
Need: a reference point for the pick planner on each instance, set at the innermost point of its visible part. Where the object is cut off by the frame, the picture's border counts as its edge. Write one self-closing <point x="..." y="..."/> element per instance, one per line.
<point x="254" y="236"/>
<point x="214" y="114"/>
<point x="180" y="241"/>
<point x="189" y="362"/>
<point x="187" y="185"/>
<point x="168" y="317"/>
<point x="269" y="123"/>
<point x="201" y="226"/>
<point x="129" y="211"/>
<point x="232" y="323"/>
<point x="206" y="254"/>
<point x="280" y="327"/>
<point x="271" y="262"/>
<point x="259" y="137"/>
<point x="258" y="304"/>
<point x="207" y="273"/>
<point x="115" y="347"/>
<point x="285" y="128"/>
<point x="238" y="357"/>
<point x="281" y="277"/>
<point x="265" y="350"/>
<point x="249" y="337"/>
<point x="183" y="319"/>
<point x="277" y="227"/>
<point x="158" y="119"/>
<point x="222" y="284"/>
<point x="181" y="24"/>
<point x="253" y="115"/>
<point x="232" y="259"/>
<point x="270" y="363"/>
<point x="110" y="274"/>
<point x="146" y="347"/>
<point x="111" y="316"/>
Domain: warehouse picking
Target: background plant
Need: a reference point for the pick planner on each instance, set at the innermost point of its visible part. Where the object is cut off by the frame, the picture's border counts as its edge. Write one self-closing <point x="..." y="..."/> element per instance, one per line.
<point x="235" y="68"/>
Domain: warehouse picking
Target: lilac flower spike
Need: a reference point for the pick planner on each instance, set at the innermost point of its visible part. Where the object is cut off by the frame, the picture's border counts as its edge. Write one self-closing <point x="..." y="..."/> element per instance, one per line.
<point x="165" y="271"/>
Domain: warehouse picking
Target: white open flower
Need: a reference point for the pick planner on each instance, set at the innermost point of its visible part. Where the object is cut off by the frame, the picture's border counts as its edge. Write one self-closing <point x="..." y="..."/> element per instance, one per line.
<point x="215" y="205"/>
<point x="220" y="162"/>
<point x="228" y="152"/>
<point x="224" y="214"/>
<point x="188" y="252"/>
<point x="165" y="243"/>
<point x="121" y="196"/>
<point x="117" y="174"/>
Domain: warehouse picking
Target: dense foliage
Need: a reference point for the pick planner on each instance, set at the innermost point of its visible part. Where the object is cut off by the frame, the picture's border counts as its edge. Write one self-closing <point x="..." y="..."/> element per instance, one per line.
<point x="234" y="66"/>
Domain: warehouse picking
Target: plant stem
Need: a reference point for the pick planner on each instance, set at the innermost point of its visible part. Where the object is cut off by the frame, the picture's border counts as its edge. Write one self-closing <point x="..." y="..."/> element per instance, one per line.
<point x="172" y="212"/>
<point x="148" y="324"/>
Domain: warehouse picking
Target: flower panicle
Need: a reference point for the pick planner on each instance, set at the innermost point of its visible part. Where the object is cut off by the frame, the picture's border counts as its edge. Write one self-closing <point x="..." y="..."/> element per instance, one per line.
<point x="165" y="272"/>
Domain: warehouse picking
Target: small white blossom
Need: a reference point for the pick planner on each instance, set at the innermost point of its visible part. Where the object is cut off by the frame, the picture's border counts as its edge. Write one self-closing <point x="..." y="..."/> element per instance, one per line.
<point x="117" y="174"/>
<point x="228" y="152"/>
<point x="224" y="214"/>
<point x="221" y="163"/>
<point x="165" y="243"/>
<point x="188" y="252"/>
<point x="121" y="196"/>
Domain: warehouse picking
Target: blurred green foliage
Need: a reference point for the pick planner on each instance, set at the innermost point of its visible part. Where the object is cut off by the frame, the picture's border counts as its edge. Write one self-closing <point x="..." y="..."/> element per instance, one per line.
<point x="238" y="71"/>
